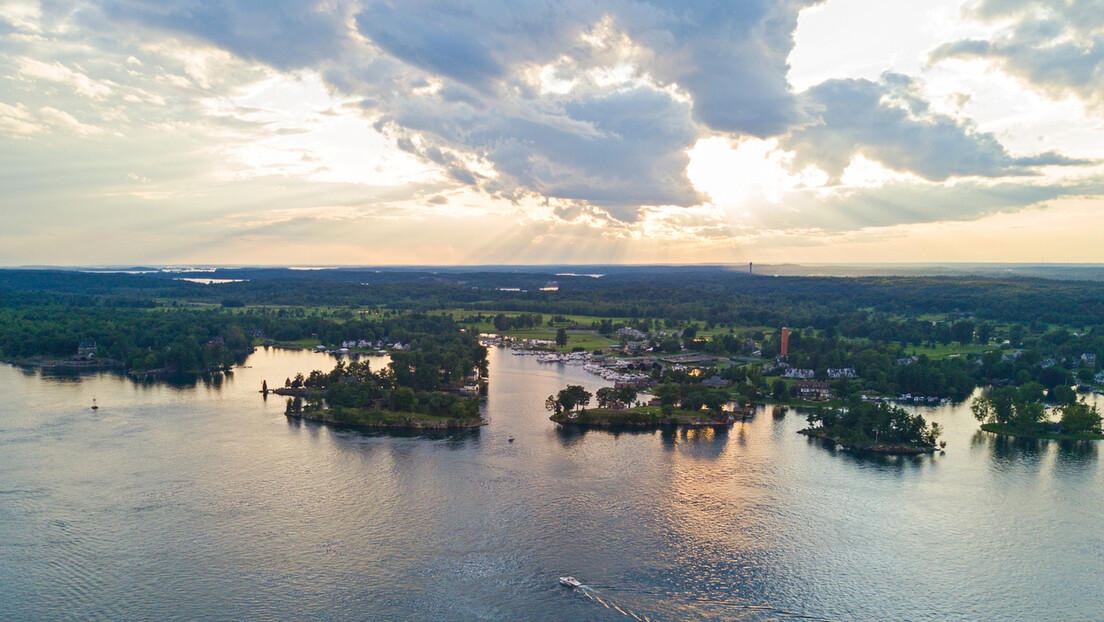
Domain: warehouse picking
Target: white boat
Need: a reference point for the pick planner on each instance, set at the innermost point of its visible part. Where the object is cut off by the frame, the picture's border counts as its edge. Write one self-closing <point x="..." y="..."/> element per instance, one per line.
<point x="570" y="582"/>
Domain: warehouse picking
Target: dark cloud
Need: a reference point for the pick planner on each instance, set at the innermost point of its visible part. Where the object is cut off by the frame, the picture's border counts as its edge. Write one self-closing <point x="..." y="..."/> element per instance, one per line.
<point x="888" y="122"/>
<point x="615" y="145"/>
<point x="287" y="34"/>
<point x="1057" y="46"/>
<point x="456" y="83"/>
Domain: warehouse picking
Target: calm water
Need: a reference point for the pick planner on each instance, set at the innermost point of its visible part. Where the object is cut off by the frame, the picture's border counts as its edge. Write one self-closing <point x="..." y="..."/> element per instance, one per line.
<point x="204" y="502"/>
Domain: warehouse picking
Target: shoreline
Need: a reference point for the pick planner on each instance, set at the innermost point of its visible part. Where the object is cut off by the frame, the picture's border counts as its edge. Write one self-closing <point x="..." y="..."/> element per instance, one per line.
<point x="997" y="430"/>
<point x="896" y="450"/>
<point x="404" y="424"/>
<point x="604" y="419"/>
<point x="67" y="365"/>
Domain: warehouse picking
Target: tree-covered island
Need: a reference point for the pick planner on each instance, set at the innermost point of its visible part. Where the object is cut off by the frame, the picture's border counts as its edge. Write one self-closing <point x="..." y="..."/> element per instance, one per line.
<point x="616" y="409"/>
<point x="1012" y="411"/>
<point x="434" y="384"/>
<point x="874" y="427"/>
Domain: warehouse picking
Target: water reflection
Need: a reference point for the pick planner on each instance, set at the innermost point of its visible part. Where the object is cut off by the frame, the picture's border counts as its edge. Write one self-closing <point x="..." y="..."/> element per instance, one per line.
<point x="164" y="496"/>
<point x="1008" y="452"/>
<point x="1077" y="456"/>
<point x="453" y="435"/>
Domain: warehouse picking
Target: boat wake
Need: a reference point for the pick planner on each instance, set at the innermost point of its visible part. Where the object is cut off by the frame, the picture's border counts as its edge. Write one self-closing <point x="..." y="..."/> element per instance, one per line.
<point x="694" y="609"/>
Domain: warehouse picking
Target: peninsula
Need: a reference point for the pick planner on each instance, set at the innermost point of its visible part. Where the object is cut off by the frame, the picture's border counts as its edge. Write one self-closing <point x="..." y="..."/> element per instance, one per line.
<point x="433" y="382"/>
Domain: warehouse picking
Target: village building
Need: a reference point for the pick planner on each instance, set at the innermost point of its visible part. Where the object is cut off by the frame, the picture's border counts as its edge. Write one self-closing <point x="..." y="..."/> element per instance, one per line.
<point x="800" y="374"/>
<point x="629" y="333"/>
<point x="716" y="382"/>
<point x="813" y="390"/>
<point x="85" y="351"/>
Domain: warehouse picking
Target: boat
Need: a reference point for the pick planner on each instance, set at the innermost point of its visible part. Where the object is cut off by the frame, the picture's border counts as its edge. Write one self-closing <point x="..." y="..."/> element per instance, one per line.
<point x="570" y="582"/>
<point x="94" y="405"/>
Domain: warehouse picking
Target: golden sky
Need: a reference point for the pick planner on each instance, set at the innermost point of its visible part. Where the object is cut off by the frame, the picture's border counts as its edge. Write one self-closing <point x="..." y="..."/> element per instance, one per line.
<point x="356" y="132"/>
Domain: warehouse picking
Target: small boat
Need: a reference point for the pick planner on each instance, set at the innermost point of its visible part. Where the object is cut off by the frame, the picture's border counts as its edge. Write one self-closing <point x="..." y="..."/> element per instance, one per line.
<point x="570" y="582"/>
<point x="94" y="405"/>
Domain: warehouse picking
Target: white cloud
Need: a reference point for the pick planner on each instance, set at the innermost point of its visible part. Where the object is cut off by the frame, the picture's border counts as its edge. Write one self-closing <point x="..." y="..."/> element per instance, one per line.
<point x="56" y="72"/>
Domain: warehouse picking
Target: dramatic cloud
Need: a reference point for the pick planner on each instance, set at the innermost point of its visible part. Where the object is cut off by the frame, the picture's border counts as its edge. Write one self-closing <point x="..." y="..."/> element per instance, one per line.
<point x="578" y="100"/>
<point x="622" y="123"/>
<point x="1057" y="46"/>
<point x="889" y="122"/>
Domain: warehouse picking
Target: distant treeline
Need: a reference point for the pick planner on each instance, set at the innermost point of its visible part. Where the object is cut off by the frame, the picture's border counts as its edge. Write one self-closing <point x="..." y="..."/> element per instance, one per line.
<point x="712" y="295"/>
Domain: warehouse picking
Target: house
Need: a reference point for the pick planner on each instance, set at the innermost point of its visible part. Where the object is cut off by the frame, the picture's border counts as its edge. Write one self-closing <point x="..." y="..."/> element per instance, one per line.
<point x="716" y="382"/>
<point x="257" y="333"/>
<point x="629" y="333"/>
<point x="1088" y="360"/>
<point x="801" y="374"/>
<point x="85" y="351"/>
<point x="813" y="390"/>
<point x="908" y="360"/>
<point x="842" y="372"/>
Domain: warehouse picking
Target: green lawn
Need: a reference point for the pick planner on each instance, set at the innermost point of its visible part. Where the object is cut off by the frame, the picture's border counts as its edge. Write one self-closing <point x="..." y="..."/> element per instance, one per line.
<point x="1006" y="431"/>
<point x="943" y="351"/>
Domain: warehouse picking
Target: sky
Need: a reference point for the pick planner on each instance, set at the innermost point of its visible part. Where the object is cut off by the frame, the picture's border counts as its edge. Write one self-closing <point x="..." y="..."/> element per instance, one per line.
<point x="438" y="132"/>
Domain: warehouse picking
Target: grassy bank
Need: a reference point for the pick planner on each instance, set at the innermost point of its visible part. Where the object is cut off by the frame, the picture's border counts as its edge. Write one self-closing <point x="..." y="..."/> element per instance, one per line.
<point x="641" y="416"/>
<point x="1003" y="430"/>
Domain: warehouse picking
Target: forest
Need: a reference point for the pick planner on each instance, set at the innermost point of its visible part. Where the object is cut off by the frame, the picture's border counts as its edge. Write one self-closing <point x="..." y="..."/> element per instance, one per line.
<point x="937" y="337"/>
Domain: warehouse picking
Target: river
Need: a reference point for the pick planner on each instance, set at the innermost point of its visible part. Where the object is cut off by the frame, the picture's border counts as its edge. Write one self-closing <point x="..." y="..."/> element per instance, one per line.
<point x="202" y="501"/>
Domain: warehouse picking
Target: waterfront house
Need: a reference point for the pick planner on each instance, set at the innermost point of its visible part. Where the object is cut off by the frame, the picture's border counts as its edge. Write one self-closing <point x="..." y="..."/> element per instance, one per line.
<point x="813" y="390"/>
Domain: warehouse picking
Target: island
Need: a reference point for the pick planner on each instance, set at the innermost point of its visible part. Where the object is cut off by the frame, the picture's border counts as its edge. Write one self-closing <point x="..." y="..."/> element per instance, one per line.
<point x="876" y="428"/>
<point x="569" y="409"/>
<point x="1021" y="412"/>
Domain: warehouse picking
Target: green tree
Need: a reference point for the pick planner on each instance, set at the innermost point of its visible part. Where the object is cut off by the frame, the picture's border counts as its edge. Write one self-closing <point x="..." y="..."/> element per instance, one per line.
<point x="1080" y="417"/>
<point x="626" y="395"/>
<point x="668" y="393"/>
<point x="573" y="396"/>
<point x="998" y="407"/>
<point x="963" y="331"/>
<point x="402" y="399"/>
<point x="606" y="397"/>
<point x="778" y="389"/>
<point x="1063" y="394"/>
<point x="561" y="337"/>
